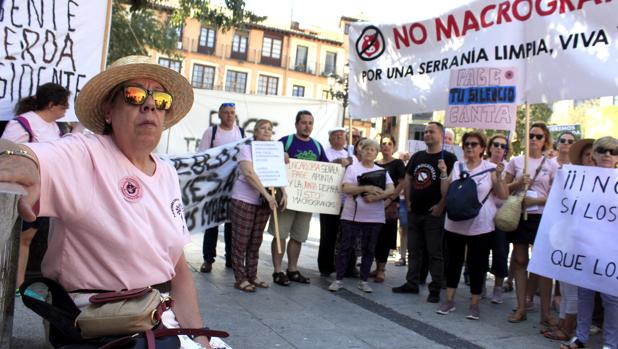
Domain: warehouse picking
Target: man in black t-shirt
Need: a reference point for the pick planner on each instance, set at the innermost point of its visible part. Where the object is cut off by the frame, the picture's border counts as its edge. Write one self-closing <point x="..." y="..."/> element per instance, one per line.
<point x="425" y="212"/>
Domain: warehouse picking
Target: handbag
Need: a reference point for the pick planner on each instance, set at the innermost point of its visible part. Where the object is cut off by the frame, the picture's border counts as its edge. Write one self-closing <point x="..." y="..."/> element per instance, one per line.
<point x="376" y="178"/>
<point x="122" y="313"/>
<point x="508" y="216"/>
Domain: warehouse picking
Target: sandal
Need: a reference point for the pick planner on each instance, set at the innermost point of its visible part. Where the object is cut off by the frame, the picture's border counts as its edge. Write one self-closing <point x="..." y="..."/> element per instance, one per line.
<point x="557" y="335"/>
<point x="259" y="283"/>
<point x="296" y="276"/>
<point x="550" y="322"/>
<point x="517" y="317"/>
<point x="280" y="279"/>
<point x="244" y="286"/>
<point x="574" y="343"/>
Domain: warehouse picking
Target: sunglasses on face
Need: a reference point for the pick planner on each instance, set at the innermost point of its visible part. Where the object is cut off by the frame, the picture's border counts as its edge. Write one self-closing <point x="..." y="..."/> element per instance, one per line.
<point x="499" y="145"/>
<point x="602" y="150"/>
<point x="566" y="141"/>
<point x="136" y="95"/>
<point x="537" y="136"/>
<point x="471" y="144"/>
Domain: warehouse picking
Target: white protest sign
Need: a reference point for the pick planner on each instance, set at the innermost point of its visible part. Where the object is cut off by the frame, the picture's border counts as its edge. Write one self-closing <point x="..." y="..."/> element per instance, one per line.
<point x="206" y="182"/>
<point x="483" y="98"/>
<point x="60" y="41"/>
<point x="404" y="68"/>
<point x="314" y="186"/>
<point x="416" y="146"/>
<point x="577" y="241"/>
<point x="269" y="163"/>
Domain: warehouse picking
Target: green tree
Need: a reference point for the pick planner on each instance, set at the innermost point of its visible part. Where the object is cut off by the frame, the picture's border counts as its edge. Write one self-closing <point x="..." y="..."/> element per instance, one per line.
<point x="136" y="26"/>
<point x="538" y="112"/>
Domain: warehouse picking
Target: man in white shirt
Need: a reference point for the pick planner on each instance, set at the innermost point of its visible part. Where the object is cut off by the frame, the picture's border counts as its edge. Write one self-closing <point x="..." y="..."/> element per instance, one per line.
<point x="227" y="131"/>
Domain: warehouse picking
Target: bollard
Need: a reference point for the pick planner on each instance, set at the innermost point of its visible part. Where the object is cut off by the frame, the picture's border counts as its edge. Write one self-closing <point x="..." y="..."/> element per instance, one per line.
<point x="10" y="226"/>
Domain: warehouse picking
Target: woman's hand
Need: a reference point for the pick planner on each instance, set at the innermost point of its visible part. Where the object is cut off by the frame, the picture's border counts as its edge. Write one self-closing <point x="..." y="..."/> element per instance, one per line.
<point x="22" y="171"/>
<point x="499" y="170"/>
<point x="369" y="198"/>
<point x="272" y="203"/>
<point x="373" y="190"/>
<point x="524" y="181"/>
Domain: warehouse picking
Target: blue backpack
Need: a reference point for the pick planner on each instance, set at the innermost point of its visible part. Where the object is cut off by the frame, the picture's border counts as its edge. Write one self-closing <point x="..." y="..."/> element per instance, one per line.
<point x="462" y="201"/>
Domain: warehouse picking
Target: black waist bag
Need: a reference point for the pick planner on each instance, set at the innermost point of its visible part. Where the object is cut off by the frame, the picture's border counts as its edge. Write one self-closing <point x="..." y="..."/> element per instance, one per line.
<point x="462" y="201"/>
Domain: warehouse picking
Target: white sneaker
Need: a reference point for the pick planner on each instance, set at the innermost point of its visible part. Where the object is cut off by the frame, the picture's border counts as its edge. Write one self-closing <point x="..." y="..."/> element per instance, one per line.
<point x="364" y="286"/>
<point x="335" y="286"/>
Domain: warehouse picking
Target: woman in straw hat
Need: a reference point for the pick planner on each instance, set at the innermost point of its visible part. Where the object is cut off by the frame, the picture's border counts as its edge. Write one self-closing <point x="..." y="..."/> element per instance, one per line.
<point x="117" y="208"/>
<point x="604" y="154"/>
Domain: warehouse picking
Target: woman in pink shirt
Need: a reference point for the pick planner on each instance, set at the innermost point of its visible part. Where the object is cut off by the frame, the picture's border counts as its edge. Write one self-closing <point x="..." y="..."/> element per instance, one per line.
<point x="36" y="122"/>
<point x="537" y="181"/>
<point x="250" y="209"/>
<point x="476" y="234"/>
<point x="117" y="208"/>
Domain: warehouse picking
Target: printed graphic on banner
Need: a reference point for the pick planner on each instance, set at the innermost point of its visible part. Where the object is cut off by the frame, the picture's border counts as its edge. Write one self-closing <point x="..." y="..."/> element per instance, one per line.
<point x="403" y="68"/>
<point x="557" y="130"/>
<point x="57" y="41"/>
<point x="415" y="146"/>
<point x="483" y="98"/>
<point x="206" y="182"/>
<point x="269" y="163"/>
<point x="314" y="186"/>
<point x="576" y="241"/>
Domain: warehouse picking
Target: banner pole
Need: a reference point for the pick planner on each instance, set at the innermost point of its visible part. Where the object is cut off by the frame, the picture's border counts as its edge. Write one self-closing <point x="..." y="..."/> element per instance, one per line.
<point x="527" y="152"/>
<point x="108" y="28"/>
<point x="272" y="192"/>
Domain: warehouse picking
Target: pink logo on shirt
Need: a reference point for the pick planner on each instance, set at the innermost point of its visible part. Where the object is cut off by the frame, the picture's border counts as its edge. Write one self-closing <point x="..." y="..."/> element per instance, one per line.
<point x="131" y="189"/>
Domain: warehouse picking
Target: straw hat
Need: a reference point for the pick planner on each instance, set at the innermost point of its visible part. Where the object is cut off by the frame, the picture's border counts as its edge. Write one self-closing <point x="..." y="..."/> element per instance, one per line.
<point x="90" y="100"/>
<point x="575" y="152"/>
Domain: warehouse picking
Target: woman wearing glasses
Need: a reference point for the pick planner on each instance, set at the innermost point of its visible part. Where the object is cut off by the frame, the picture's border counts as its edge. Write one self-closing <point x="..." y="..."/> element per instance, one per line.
<point x="36" y="122"/>
<point x="117" y="208"/>
<point x="564" y="143"/>
<point x="537" y="181"/>
<point x="475" y="234"/>
<point x="604" y="154"/>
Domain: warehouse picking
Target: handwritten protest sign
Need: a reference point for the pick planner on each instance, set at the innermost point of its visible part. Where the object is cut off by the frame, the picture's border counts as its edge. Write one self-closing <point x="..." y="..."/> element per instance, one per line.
<point x="269" y="164"/>
<point x="206" y="182"/>
<point x="415" y="146"/>
<point x="483" y="98"/>
<point x="61" y="41"/>
<point x="314" y="186"/>
<point x="577" y="238"/>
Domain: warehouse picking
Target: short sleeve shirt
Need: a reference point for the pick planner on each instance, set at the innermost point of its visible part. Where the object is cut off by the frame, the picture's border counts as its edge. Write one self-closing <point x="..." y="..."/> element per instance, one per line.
<point x="42" y="131"/>
<point x="425" y="187"/>
<point x="221" y="137"/>
<point x="365" y="212"/>
<point x="542" y="184"/>
<point x="114" y="226"/>
<point x="304" y="150"/>
<point x="243" y="190"/>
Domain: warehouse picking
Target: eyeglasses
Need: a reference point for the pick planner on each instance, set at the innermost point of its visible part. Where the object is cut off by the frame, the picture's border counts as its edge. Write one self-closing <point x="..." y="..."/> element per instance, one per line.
<point x="471" y="144"/>
<point x="136" y="95"/>
<point x="537" y="136"/>
<point x="565" y="141"/>
<point x="499" y="145"/>
<point x="602" y="150"/>
<point x="229" y="104"/>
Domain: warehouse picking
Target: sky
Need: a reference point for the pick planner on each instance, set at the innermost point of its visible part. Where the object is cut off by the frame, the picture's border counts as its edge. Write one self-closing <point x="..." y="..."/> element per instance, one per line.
<point x="326" y="13"/>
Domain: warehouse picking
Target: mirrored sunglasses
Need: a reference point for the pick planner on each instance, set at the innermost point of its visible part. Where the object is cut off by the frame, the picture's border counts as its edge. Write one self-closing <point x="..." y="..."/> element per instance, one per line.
<point x="136" y="95"/>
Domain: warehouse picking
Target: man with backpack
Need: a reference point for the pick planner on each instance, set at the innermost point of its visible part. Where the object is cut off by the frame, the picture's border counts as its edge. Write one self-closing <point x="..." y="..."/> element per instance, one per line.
<point x="226" y="132"/>
<point x="425" y="205"/>
<point x="295" y="224"/>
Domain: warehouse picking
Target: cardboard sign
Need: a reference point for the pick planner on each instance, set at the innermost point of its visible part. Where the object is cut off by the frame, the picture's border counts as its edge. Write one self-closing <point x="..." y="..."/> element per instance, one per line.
<point x="577" y="238"/>
<point x="269" y="164"/>
<point x="314" y="186"/>
<point x="483" y="98"/>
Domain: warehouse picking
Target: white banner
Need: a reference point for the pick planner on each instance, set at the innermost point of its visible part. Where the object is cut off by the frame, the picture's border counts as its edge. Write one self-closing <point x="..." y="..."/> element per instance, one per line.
<point x="483" y="98"/>
<point x="60" y="41"/>
<point x="206" y="182"/>
<point x="269" y="163"/>
<point x="184" y="136"/>
<point x="577" y="239"/>
<point x="314" y="186"/>
<point x="564" y="49"/>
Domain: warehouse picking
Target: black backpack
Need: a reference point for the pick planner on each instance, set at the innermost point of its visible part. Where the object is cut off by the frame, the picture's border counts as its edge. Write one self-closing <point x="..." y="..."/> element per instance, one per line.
<point x="462" y="201"/>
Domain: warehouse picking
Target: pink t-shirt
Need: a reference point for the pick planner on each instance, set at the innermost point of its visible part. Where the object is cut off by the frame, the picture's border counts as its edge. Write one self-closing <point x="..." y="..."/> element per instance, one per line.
<point x="114" y="226"/>
<point x="365" y="212"/>
<point x="42" y="130"/>
<point x="221" y="137"/>
<point x="243" y="190"/>
<point x="542" y="183"/>
<point x="484" y="222"/>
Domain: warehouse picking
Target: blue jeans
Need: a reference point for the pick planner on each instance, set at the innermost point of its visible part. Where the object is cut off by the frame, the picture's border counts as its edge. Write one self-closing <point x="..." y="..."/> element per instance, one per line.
<point x="585" y="305"/>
